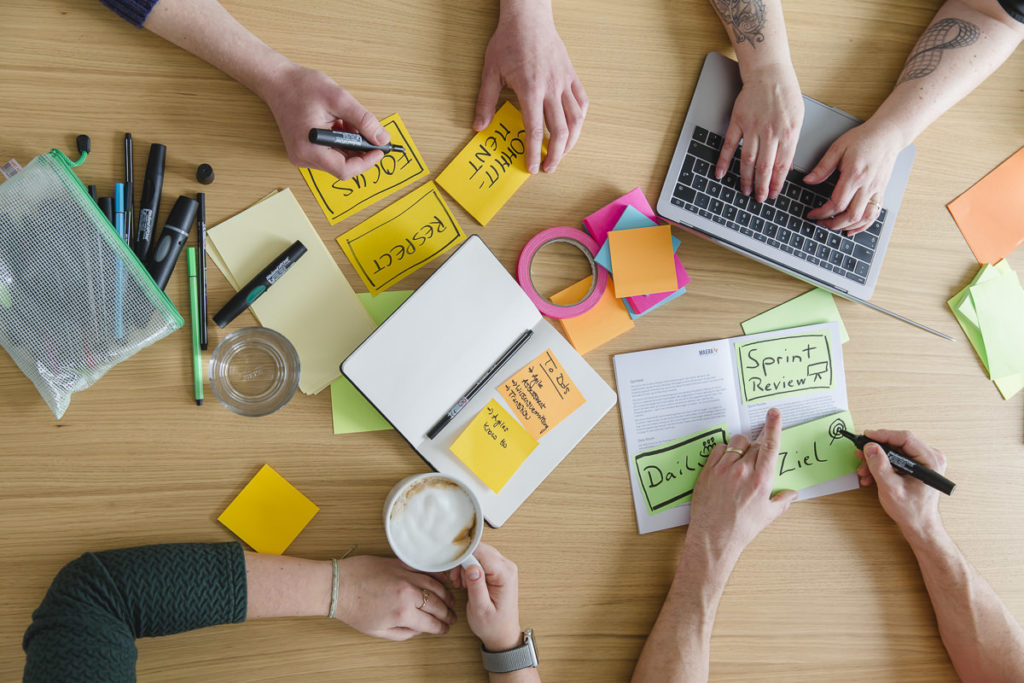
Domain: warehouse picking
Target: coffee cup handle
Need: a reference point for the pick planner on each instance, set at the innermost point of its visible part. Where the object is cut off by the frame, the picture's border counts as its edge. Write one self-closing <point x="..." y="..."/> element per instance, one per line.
<point x="471" y="561"/>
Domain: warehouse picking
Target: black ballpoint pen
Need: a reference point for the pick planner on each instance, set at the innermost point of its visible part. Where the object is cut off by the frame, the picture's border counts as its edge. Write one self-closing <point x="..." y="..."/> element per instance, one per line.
<point x="204" y="330"/>
<point x="905" y="465"/>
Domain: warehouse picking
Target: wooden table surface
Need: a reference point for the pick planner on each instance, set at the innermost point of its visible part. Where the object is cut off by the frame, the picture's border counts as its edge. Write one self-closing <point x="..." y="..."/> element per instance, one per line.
<point x="830" y="591"/>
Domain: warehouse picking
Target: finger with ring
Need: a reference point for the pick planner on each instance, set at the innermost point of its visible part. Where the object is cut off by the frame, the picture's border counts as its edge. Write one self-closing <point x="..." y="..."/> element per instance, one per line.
<point x="426" y="599"/>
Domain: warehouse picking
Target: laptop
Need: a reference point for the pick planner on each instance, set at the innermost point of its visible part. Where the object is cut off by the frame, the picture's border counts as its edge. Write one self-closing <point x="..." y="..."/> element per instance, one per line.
<point x="776" y="232"/>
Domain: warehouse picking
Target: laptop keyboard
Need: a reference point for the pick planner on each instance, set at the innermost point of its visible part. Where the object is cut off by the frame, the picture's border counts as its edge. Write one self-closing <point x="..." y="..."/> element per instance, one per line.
<point x="781" y="222"/>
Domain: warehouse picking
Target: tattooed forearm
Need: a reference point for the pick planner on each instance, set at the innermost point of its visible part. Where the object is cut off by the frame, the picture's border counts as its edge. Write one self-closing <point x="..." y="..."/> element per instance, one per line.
<point x="746" y="17"/>
<point x="945" y="34"/>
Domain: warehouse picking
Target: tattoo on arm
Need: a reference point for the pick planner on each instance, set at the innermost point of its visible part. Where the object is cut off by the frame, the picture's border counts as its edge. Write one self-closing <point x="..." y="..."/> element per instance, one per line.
<point x="945" y="34"/>
<point x="746" y="18"/>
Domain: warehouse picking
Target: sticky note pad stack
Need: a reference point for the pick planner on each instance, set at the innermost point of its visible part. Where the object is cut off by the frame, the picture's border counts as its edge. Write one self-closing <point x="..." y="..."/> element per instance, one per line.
<point x="269" y="512"/>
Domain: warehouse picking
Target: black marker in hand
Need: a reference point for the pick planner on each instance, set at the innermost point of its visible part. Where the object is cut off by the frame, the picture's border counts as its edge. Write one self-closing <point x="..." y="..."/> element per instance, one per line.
<point x="902" y="464"/>
<point x="351" y="142"/>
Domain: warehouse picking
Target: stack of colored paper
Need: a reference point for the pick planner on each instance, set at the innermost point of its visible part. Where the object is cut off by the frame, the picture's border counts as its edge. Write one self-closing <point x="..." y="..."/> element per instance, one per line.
<point x="991" y="312"/>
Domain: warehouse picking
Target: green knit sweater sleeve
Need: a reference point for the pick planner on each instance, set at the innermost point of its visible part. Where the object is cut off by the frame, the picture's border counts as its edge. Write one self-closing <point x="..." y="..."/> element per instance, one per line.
<point x="86" y="626"/>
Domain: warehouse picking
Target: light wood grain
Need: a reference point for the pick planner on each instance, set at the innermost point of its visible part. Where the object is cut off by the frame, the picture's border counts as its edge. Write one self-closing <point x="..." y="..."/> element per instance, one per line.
<point x="830" y="591"/>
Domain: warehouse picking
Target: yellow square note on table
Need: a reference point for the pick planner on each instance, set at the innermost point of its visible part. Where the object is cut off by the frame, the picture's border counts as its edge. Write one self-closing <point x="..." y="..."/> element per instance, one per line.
<point x="396" y="241"/>
<point x="607" y="320"/>
<point x="541" y="394"/>
<point x="643" y="261"/>
<point x="489" y="170"/>
<point x="493" y="446"/>
<point x="341" y="198"/>
<point x="269" y="513"/>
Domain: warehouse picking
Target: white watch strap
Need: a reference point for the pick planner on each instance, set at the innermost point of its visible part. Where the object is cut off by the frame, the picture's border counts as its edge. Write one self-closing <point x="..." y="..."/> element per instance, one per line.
<point x="515" y="659"/>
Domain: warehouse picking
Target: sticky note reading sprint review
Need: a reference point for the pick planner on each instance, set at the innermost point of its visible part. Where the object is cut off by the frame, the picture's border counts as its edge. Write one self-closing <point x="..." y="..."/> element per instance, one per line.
<point x="489" y="170"/>
<point x="784" y="366"/>
<point x="341" y="198"/>
<point x="493" y="446"/>
<point x="541" y="394"/>
<point x="269" y="513"/>
<point x="396" y="241"/>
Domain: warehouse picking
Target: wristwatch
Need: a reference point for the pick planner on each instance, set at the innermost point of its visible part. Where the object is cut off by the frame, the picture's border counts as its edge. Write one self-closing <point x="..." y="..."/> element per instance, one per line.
<point x="511" y="660"/>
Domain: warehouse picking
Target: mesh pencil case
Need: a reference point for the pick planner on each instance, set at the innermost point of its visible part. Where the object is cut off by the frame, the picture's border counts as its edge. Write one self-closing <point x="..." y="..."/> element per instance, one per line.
<point x="74" y="299"/>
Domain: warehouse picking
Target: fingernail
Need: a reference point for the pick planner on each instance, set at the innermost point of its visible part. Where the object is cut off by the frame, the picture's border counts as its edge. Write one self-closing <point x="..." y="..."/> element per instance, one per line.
<point x="773" y="412"/>
<point x="478" y="123"/>
<point x="746" y="190"/>
<point x="534" y="168"/>
<point x="473" y="573"/>
<point x="719" y="173"/>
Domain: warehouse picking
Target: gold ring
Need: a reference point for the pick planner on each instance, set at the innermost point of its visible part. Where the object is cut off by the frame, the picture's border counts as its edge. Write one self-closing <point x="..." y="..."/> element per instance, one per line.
<point x="875" y="202"/>
<point x="426" y="598"/>
<point x="734" y="450"/>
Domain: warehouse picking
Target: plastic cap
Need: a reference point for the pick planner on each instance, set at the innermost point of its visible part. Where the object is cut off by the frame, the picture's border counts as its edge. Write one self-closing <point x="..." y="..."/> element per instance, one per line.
<point x="204" y="174"/>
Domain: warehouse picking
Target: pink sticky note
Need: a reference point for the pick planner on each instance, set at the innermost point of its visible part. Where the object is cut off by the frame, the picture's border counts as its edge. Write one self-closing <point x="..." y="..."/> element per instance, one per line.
<point x="601" y="222"/>
<point x="646" y="302"/>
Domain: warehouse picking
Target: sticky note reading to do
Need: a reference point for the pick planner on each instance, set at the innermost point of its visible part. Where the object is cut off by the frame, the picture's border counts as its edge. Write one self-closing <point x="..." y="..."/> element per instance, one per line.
<point x="784" y="366"/>
<point x="668" y="473"/>
<point x="396" y="241"/>
<point x="541" y="394"/>
<point x="815" y="452"/>
<point x="269" y="513"/>
<point x="489" y="170"/>
<point x="341" y="198"/>
<point x="493" y="446"/>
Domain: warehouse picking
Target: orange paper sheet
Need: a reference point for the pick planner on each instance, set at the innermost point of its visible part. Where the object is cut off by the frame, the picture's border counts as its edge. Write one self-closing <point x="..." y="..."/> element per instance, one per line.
<point x="643" y="261"/>
<point x="989" y="214"/>
<point x="607" y="320"/>
<point x="541" y="394"/>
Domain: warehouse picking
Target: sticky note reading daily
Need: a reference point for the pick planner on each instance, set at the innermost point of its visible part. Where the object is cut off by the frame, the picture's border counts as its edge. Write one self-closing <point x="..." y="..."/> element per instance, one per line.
<point x="643" y="261"/>
<point x="493" y="446"/>
<point x="667" y="474"/>
<point x="396" y="241"/>
<point x="341" y="198"/>
<point x="269" y="513"/>
<point x="988" y="214"/>
<point x="784" y="366"/>
<point x="607" y="320"/>
<point x="814" y="452"/>
<point x="489" y="170"/>
<point x="816" y="306"/>
<point x="541" y="394"/>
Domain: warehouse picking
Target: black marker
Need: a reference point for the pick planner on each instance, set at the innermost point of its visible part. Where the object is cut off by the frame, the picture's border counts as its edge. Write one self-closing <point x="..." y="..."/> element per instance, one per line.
<point x="352" y="142"/>
<point x="204" y="332"/>
<point x="255" y="288"/>
<point x="905" y="465"/>
<point x="149" y="207"/>
<point x="164" y="257"/>
<point x="129" y="189"/>
<point x="107" y="207"/>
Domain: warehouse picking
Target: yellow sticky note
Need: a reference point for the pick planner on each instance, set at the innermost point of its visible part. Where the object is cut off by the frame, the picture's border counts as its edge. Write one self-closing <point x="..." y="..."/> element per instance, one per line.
<point x="607" y="320"/>
<point x="341" y="198"/>
<point x="493" y="446"/>
<point x="489" y="170"/>
<point x="643" y="261"/>
<point x="396" y="241"/>
<point x="269" y="513"/>
<point x="541" y="394"/>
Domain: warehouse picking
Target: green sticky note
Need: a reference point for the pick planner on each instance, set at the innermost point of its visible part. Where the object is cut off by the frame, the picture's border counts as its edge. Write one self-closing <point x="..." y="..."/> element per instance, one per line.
<point x="999" y="304"/>
<point x="668" y="472"/>
<point x="788" y="365"/>
<point x="815" y="306"/>
<point x="352" y="412"/>
<point x="814" y="452"/>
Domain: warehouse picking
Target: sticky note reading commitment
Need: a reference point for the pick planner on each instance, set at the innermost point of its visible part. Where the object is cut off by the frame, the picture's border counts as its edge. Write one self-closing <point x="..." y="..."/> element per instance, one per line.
<point x="541" y="394"/>
<point x="341" y="198"/>
<point x="489" y="170"/>
<point x="493" y="446"/>
<point x="782" y="366"/>
<point x="269" y="512"/>
<point x="815" y="452"/>
<point x="396" y="241"/>
<point x="668" y="473"/>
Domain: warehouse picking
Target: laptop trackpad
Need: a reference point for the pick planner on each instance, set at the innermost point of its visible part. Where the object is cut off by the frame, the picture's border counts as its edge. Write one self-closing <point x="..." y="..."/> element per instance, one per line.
<point x="822" y="125"/>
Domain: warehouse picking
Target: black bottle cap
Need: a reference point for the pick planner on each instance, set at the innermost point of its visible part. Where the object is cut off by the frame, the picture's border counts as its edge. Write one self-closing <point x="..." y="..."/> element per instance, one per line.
<point x="204" y="174"/>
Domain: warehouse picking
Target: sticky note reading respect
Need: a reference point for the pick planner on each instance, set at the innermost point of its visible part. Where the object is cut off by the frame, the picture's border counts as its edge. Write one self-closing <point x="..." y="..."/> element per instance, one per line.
<point x="668" y="473"/>
<point x="541" y="394"/>
<point x="489" y="170"/>
<point x="493" y="446"/>
<point x="341" y="198"/>
<point x="396" y="241"/>
<point x="815" y="452"/>
<point x="269" y="513"/>
<point x="783" y="366"/>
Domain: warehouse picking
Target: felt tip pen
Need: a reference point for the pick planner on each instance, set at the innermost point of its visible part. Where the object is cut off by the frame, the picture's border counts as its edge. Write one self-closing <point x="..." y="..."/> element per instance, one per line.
<point x="204" y="332"/>
<point x="255" y="288"/>
<point x="119" y="268"/>
<point x="129" y="189"/>
<point x="193" y="299"/>
<point x="905" y="465"/>
<point x="149" y="206"/>
<point x="352" y="142"/>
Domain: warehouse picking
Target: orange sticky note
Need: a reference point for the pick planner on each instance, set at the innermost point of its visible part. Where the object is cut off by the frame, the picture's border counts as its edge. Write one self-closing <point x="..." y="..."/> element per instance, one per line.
<point x="541" y="394"/>
<point x="643" y="261"/>
<point x="607" y="320"/>
<point x="269" y="512"/>
<point x="494" y="445"/>
<point x="989" y="213"/>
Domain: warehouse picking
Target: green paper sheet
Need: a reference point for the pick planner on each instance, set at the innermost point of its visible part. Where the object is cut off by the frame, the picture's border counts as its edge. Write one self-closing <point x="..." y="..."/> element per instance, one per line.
<point x="999" y="304"/>
<point x="785" y="365"/>
<point x="815" y="306"/>
<point x="810" y="454"/>
<point x="668" y="472"/>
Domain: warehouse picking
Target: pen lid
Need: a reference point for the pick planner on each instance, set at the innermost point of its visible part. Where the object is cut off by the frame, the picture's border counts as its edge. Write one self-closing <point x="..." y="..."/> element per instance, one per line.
<point x="190" y="257"/>
<point x="119" y="197"/>
<point x="295" y="251"/>
<point x="183" y="213"/>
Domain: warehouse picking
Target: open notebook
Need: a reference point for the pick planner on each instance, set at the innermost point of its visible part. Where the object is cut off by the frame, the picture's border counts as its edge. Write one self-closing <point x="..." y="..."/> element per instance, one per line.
<point x="423" y="358"/>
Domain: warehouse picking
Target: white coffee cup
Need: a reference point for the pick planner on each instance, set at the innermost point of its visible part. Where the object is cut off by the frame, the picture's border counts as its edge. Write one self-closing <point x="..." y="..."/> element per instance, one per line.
<point x="433" y="523"/>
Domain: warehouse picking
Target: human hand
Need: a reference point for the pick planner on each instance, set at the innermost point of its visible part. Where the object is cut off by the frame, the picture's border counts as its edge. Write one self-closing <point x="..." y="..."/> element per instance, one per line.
<point x="767" y="116"/>
<point x="301" y="99"/>
<point x="381" y="597"/>
<point x="493" y="607"/>
<point x="864" y="156"/>
<point x="732" y="501"/>
<point x="526" y="54"/>
<point x="912" y="504"/>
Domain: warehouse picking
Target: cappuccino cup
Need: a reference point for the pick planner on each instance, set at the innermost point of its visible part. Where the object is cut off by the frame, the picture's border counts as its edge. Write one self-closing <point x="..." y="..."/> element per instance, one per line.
<point x="433" y="523"/>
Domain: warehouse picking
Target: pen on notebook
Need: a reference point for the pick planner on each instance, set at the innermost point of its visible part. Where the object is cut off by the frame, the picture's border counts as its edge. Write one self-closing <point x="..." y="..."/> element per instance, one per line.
<point x="905" y="465"/>
<point x="255" y="288"/>
<point x="487" y="377"/>
<point x="129" y="189"/>
<point x="352" y="142"/>
<point x="193" y="299"/>
<point x="204" y="331"/>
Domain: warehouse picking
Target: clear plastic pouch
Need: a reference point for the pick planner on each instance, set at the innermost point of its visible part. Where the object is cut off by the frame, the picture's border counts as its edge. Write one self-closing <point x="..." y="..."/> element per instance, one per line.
<point x="74" y="299"/>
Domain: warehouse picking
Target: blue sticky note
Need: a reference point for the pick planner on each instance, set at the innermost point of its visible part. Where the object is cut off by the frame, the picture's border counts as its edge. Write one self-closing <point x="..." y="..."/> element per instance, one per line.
<point x="632" y="217"/>
<point x="675" y="295"/>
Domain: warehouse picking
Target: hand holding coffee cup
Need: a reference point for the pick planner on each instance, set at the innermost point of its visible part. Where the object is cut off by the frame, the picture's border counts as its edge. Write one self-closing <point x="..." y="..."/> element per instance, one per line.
<point x="493" y="607"/>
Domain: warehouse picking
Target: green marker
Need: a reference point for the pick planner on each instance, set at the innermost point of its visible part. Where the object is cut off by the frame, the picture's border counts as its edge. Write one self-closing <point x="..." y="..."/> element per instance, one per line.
<point x="259" y="284"/>
<point x="193" y="297"/>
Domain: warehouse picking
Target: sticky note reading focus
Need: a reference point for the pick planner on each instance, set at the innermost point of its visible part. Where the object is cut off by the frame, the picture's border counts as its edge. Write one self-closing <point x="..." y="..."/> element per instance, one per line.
<point x="815" y="452"/>
<point x="396" y="241"/>
<point x="784" y="366"/>
<point x="489" y="170"/>
<point x="269" y="513"/>
<point x="643" y="261"/>
<point x="341" y="198"/>
<point x="493" y="446"/>
<point x="668" y="473"/>
<point x="541" y="394"/>
<point x="607" y="320"/>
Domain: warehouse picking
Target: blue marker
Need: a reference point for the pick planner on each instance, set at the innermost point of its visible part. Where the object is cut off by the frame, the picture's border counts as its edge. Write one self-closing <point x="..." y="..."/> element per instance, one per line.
<point x="259" y="284"/>
<point x="119" y="225"/>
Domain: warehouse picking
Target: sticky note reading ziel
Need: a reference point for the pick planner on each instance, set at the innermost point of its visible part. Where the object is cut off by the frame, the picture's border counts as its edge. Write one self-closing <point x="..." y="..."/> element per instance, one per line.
<point x="269" y="512"/>
<point x="493" y="446"/>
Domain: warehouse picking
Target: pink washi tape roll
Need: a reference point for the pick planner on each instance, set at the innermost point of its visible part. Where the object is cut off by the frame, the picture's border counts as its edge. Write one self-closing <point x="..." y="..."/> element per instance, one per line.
<point x="582" y="241"/>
